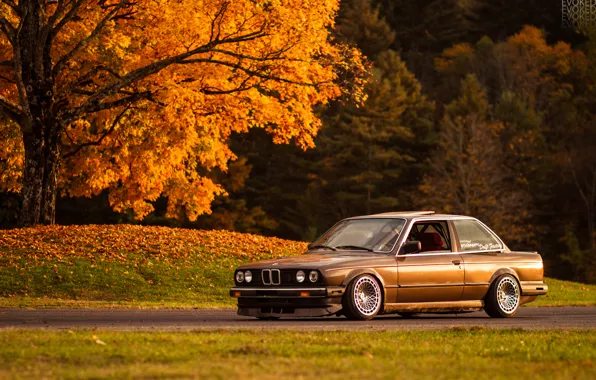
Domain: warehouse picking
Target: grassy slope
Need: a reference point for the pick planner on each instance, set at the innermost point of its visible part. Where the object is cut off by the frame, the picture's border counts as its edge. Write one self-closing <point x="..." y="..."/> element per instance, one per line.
<point x="134" y="266"/>
<point x="458" y="353"/>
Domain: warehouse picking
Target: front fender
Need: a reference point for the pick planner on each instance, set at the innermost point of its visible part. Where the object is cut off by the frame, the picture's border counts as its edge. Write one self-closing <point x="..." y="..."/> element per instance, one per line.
<point x="357" y="272"/>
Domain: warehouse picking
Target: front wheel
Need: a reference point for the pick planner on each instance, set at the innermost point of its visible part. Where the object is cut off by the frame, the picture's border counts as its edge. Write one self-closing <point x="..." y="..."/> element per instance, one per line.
<point x="502" y="300"/>
<point x="363" y="298"/>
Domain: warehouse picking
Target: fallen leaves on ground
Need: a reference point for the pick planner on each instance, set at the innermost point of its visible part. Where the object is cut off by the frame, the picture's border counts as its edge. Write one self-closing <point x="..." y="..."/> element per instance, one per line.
<point x="120" y="242"/>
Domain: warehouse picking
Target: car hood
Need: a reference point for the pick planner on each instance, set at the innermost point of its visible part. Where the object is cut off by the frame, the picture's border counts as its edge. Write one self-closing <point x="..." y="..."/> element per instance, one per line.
<point x="315" y="260"/>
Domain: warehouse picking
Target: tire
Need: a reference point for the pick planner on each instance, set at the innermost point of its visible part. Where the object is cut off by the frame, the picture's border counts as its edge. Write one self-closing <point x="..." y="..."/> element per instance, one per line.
<point x="363" y="298"/>
<point x="502" y="300"/>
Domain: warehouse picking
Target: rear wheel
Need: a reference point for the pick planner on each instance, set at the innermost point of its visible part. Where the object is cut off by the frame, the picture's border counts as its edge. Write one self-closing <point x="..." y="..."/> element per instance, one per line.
<point x="363" y="298"/>
<point x="502" y="300"/>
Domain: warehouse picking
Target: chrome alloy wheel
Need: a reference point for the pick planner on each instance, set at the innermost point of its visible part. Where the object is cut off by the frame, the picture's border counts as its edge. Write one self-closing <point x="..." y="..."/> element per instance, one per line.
<point x="367" y="296"/>
<point x="508" y="295"/>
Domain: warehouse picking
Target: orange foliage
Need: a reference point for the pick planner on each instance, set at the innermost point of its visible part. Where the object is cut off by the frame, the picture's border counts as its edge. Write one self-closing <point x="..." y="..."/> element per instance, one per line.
<point x="451" y="56"/>
<point x="11" y="157"/>
<point x="237" y="65"/>
<point x="116" y="242"/>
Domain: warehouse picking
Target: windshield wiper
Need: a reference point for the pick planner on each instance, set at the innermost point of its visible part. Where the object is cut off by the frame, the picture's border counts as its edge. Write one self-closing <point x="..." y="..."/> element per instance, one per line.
<point x="322" y="246"/>
<point x="354" y="247"/>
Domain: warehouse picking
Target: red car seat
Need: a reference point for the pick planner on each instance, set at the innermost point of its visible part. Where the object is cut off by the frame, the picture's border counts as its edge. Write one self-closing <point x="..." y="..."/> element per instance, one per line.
<point x="431" y="241"/>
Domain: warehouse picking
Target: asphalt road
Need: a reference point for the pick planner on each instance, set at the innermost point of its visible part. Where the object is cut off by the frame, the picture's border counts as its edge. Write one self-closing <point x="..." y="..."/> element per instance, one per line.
<point x="138" y="319"/>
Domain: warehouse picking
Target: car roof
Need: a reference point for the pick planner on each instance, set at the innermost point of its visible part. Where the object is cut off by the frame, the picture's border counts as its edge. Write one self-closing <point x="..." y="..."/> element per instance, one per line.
<point x="427" y="215"/>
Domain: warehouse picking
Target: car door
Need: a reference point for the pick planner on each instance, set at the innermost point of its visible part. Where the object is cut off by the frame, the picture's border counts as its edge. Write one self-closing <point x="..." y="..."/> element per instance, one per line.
<point x="436" y="273"/>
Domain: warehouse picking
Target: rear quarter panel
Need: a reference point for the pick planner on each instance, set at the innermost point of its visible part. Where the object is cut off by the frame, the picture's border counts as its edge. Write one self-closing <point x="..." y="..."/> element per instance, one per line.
<point x="482" y="268"/>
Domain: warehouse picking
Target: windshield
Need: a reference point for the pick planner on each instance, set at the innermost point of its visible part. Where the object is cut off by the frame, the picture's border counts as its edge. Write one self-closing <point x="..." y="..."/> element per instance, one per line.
<point x="379" y="235"/>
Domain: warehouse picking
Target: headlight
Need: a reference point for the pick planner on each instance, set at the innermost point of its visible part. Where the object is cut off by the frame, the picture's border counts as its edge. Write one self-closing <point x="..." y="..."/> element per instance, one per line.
<point x="239" y="276"/>
<point x="313" y="276"/>
<point x="300" y="276"/>
<point x="248" y="276"/>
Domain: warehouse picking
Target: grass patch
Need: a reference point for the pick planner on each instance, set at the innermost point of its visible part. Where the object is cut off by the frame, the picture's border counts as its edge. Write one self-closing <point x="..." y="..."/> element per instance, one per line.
<point x="127" y="266"/>
<point x="457" y="353"/>
<point x="151" y="267"/>
<point x="567" y="293"/>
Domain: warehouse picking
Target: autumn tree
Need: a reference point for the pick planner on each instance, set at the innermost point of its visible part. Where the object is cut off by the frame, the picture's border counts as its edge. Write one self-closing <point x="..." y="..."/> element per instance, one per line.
<point x="136" y="96"/>
<point x="468" y="175"/>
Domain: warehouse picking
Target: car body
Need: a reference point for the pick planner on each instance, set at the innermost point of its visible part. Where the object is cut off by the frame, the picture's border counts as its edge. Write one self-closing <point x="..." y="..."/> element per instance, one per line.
<point x="400" y="262"/>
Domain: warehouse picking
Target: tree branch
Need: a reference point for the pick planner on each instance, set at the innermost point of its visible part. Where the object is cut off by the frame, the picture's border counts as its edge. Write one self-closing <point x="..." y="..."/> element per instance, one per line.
<point x="7" y="79"/>
<point x="10" y="109"/>
<point x="241" y="87"/>
<point x="247" y="71"/>
<point x="8" y="30"/>
<point x="93" y="103"/>
<point x="101" y="138"/>
<point x="273" y="56"/>
<point x="147" y="95"/>
<point x="74" y="9"/>
<point x="218" y="19"/>
<point x="84" y="42"/>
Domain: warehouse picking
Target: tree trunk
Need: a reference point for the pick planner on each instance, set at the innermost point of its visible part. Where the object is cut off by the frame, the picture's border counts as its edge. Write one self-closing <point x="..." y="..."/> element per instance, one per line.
<point x="32" y="179"/>
<point x="49" y="185"/>
<point x="39" y="125"/>
<point x="40" y="177"/>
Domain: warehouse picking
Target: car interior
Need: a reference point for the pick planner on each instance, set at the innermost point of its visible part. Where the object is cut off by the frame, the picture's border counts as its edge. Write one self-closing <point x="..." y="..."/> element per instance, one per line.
<point x="433" y="236"/>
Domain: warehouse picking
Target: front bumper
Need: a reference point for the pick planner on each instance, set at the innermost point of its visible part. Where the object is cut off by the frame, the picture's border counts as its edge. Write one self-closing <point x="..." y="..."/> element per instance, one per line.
<point x="288" y="302"/>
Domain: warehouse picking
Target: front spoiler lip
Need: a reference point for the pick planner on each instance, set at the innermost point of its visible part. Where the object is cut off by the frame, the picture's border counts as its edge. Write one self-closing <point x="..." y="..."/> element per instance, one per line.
<point x="278" y="312"/>
<point x="319" y="292"/>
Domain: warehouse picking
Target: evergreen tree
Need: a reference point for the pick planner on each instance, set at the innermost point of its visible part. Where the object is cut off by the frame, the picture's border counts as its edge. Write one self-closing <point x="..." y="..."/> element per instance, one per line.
<point x="432" y="25"/>
<point x="361" y="23"/>
<point x="363" y="152"/>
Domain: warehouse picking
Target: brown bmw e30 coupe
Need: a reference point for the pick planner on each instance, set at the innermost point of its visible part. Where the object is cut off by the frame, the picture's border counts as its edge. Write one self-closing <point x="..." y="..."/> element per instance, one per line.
<point x="400" y="262"/>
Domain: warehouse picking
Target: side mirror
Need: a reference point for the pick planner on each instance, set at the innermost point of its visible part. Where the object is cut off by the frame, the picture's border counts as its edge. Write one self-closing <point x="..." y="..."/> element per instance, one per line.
<point x="411" y="246"/>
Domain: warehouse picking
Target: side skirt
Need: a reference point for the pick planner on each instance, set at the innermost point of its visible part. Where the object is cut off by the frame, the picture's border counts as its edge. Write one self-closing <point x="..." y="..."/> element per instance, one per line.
<point x="433" y="307"/>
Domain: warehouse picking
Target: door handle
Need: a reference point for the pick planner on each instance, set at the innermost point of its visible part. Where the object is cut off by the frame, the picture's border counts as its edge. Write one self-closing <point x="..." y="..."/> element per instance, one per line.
<point x="456" y="262"/>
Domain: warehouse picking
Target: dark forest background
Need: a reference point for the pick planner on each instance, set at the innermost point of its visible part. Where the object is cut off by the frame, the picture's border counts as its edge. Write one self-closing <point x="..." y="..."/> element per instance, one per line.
<point x="476" y="107"/>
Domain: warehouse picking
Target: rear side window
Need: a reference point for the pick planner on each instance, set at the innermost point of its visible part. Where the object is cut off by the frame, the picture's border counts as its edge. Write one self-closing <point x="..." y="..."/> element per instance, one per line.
<point x="474" y="237"/>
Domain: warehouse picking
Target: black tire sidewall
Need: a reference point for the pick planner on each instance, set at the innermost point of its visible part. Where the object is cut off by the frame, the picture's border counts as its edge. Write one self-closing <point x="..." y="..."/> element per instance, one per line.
<point x="350" y="309"/>
<point x="492" y="306"/>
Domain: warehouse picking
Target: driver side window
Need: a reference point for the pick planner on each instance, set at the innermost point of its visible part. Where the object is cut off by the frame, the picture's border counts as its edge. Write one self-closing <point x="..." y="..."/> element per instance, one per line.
<point x="433" y="236"/>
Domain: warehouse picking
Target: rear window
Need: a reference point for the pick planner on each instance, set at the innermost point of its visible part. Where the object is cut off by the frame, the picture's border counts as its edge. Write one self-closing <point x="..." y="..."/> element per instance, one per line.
<point x="474" y="237"/>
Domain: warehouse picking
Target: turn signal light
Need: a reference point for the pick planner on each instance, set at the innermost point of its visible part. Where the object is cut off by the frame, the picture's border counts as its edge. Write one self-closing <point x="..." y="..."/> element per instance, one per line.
<point x="236" y="294"/>
<point x="304" y="294"/>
